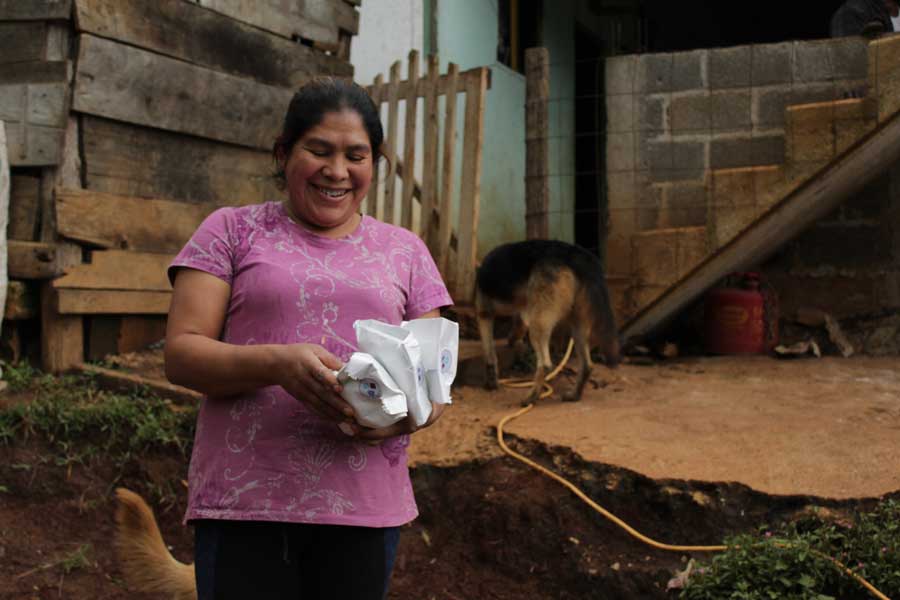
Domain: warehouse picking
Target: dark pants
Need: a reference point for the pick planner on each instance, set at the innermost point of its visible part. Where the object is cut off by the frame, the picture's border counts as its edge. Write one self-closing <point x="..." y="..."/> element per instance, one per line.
<point x="252" y="559"/>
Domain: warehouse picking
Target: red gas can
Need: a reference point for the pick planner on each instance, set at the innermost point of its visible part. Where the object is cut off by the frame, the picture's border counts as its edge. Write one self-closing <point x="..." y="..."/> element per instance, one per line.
<point x="740" y="319"/>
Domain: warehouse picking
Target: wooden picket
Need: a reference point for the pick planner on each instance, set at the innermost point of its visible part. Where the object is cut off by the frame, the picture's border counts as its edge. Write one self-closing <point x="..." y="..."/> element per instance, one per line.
<point x="426" y="207"/>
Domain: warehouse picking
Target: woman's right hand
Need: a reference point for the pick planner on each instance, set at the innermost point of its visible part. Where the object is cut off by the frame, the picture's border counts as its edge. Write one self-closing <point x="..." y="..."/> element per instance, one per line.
<point x="306" y="371"/>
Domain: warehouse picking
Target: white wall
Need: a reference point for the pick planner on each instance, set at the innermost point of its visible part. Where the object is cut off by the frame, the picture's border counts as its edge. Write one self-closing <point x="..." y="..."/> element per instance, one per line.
<point x="388" y="30"/>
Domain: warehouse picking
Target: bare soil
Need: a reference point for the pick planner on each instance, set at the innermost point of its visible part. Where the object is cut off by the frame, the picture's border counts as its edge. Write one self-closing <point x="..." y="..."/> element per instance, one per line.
<point x="686" y="451"/>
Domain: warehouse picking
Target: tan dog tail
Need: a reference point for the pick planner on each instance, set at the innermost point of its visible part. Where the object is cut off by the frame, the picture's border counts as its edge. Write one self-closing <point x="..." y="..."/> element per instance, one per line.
<point x="146" y="562"/>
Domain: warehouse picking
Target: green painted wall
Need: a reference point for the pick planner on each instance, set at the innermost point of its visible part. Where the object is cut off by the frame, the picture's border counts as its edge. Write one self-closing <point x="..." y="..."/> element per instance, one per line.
<point x="467" y="34"/>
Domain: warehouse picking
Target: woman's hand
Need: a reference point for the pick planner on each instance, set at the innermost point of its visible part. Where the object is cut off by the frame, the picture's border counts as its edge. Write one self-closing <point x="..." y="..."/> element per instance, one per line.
<point x="407" y="425"/>
<point x="306" y="372"/>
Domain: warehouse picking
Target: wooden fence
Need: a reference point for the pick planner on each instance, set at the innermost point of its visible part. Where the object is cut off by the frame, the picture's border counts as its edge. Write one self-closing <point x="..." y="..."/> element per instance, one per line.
<point x="427" y="207"/>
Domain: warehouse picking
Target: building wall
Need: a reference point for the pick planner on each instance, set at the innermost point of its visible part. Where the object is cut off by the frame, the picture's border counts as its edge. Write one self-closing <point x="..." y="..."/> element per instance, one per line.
<point x="559" y="39"/>
<point x="674" y="117"/>
<point x="388" y="30"/>
<point x="701" y="143"/>
<point x="468" y="35"/>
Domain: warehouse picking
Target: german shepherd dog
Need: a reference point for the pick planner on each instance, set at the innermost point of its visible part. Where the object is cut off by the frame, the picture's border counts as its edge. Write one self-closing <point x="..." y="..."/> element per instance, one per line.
<point x="146" y="562"/>
<point x="546" y="283"/>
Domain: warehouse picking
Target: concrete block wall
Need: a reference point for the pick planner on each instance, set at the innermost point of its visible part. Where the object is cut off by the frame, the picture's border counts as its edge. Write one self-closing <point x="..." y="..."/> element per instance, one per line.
<point x="701" y="143"/>
<point x="675" y="118"/>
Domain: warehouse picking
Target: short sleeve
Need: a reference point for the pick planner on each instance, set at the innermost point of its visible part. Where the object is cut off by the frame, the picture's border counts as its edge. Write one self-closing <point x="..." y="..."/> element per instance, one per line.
<point x="426" y="287"/>
<point x="212" y="248"/>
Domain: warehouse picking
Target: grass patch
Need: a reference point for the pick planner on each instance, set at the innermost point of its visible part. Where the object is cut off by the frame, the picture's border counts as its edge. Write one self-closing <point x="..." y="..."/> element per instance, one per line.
<point x="82" y="421"/>
<point x="790" y="563"/>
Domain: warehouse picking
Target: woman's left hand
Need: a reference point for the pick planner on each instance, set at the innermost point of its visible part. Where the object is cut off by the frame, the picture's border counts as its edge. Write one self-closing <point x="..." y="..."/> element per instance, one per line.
<point x="407" y="425"/>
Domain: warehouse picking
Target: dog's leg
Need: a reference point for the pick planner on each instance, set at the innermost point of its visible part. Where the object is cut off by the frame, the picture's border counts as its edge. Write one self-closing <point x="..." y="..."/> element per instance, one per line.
<point x="516" y="337"/>
<point x="539" y="333"/>
<point x="583" y="352"/>
<point x="485" y="316"/>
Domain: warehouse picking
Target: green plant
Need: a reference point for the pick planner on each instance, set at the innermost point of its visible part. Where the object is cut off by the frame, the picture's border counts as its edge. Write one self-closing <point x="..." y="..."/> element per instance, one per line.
<point x="18" y="375"/>
<point x="82" y="421"/>
<point x="793" y="562"/>
<point x="77" y="559"/>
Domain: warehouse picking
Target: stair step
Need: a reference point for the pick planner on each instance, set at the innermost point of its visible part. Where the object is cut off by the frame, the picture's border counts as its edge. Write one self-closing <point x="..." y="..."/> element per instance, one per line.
<point x="817" y="132"/>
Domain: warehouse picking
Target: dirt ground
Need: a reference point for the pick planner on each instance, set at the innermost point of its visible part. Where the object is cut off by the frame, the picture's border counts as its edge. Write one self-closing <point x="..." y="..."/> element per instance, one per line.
<point x="825" y="427"/>
<point x="687" y="451"/>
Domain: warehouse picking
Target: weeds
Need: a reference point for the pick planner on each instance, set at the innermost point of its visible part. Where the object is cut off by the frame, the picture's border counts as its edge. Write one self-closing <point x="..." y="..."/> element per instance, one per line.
<point x="76" y="560"/>
<point x="792" y="563"/>
<point x="81" y="421"/>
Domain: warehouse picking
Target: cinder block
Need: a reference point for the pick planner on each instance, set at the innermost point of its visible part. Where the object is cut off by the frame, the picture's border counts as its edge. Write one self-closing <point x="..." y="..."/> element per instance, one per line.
<point x="731" y="110"/>
<point x="648" y="217"/>
<point x="651" y="113"/>
<point x="746" y="151"/>
<point x="729" y="67"/>
<point x="620" y="113"/>
<point x="618" y="255"/>
<point x="772" y="64"/>
<point x="687" y="70"/>
<point x="678" y="175"/>
<point x="689" y="155"/>
<point x="736" y="197"/>
<point x="662" y="256"/>
<point x="620" y="189"/>
<point x="691" y="113"/>
<point x="620" y="152"/>
<point x="692" y="248"/>
<point x="654" y="73"/>
<point x="723" y="225"/>
<point x="812" y="61"/>
<point x="817" y="132"/>
<point x="746" y="186"/>
<point x="684" y="205"/>
<point x="766" y="150"/>
<point x="655" y="155"/>
<point x="847" y="133"/>
<point x="620" y="74"/>
<point x="731" y="188"/>
<point x="654" y="257"/>
<point x="769" y="105"/>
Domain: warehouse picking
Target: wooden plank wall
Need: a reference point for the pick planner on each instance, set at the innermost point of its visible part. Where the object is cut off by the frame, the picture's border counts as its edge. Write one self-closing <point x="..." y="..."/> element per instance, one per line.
<point x="128" y="123"/>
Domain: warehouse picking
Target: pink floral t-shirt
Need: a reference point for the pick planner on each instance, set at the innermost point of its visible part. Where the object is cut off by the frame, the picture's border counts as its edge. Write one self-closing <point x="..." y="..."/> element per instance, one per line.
<point x="263" y="455"/>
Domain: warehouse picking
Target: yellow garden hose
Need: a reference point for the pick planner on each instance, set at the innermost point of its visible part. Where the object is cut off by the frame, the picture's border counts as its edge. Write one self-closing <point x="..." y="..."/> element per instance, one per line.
<point x="548" y="390"/>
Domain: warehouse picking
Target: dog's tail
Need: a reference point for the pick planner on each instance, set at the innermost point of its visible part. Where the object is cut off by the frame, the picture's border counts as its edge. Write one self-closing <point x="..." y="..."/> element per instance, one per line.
<point x="146" y="562"/>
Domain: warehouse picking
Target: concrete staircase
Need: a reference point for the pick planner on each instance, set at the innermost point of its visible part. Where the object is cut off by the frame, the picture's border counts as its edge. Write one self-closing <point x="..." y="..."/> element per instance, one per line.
<point x="732" y="199"/>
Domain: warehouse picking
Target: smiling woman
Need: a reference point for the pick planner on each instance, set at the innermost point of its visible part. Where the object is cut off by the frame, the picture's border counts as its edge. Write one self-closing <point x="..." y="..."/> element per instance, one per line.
<point x="328" y="173"/>
<point x="327" y="154"/>
<point x="289" y="495"/>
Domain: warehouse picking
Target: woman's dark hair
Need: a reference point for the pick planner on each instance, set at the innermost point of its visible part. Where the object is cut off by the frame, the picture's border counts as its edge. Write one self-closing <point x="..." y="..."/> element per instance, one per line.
<point x="309" y="105"/>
